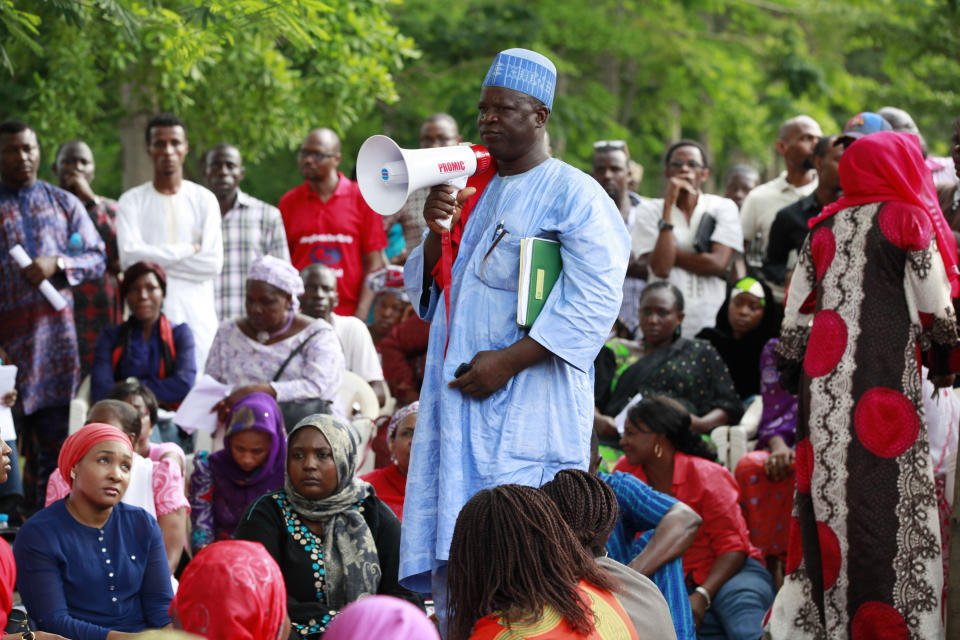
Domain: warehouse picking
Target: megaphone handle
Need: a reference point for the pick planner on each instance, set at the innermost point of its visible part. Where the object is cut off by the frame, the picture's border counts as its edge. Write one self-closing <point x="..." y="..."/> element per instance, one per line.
<point x="458" y="184"/>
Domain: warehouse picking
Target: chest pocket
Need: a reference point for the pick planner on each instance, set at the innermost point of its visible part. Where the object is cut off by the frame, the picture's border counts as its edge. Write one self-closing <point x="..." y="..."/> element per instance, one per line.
<point x="500" y="266"/>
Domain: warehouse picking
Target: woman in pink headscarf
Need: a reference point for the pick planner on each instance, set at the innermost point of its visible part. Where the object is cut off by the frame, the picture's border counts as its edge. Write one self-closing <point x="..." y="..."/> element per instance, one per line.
<point x="381" y="617"/>
<point x="871" y="295"/>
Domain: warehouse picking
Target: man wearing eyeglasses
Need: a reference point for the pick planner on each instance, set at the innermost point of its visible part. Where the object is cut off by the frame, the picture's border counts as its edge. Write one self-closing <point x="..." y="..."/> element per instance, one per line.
<point x="611" y="168"/>
<point x="689" y="236"/>
<point x="327" y="221"/>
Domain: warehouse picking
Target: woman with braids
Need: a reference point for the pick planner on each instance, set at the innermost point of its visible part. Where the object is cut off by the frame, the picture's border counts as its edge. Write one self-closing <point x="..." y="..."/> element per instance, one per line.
<point x="730" y="589"/>
<point x="515" y="564"/>
<point x="689" y="370"/>
<point x="589" y="506"/>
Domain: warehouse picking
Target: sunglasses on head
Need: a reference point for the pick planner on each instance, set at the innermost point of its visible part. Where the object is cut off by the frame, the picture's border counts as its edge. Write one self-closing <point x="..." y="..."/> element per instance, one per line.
<point x="609" y="144"/>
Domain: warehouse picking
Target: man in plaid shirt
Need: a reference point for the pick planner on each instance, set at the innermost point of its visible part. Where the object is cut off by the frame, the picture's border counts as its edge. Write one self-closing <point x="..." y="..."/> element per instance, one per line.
<point x="251" y="228"/>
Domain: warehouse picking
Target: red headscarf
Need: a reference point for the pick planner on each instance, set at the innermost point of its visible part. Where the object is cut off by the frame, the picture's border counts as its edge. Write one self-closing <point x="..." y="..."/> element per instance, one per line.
<point x="231" y="590"/>
<point x="8" y="577"/>
<point x="888" y="165"/>
<point x="79" y="443"/>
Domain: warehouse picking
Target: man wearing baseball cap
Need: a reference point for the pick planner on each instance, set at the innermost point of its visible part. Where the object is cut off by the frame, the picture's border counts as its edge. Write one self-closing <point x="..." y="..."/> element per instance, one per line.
<point x="862" y="124"/>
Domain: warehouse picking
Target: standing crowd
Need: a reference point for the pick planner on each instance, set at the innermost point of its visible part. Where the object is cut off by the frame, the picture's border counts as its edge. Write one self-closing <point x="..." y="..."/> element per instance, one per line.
<point x="733" y="416"/>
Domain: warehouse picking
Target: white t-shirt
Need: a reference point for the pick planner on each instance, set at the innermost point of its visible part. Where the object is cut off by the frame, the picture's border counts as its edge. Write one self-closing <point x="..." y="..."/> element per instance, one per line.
<point x="164" y="228"/>
<point x="761" y="205"/>
<point x="358" y="350"/>
<point x="702" y="295"/>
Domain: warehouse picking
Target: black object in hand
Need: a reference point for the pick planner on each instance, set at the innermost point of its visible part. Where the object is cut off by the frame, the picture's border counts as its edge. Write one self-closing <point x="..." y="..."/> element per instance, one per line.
<point x="462" y="369"/>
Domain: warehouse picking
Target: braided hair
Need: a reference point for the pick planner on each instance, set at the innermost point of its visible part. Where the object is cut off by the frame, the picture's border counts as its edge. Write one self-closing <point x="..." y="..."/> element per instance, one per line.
<point x="667" y="416"/>
<point x="587" y="504"/>
<point x="511" y="555"/>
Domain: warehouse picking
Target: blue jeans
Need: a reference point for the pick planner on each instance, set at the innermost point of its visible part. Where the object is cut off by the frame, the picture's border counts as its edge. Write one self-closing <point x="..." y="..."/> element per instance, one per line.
<point x="738" y="608"/>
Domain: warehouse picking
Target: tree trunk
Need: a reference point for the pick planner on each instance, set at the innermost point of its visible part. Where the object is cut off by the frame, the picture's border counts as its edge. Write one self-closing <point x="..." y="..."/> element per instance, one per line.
<point x="137" y="166"/>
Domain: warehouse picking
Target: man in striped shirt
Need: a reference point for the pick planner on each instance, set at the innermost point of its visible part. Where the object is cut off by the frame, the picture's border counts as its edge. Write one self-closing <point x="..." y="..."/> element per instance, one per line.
<point x="251" y="228"/>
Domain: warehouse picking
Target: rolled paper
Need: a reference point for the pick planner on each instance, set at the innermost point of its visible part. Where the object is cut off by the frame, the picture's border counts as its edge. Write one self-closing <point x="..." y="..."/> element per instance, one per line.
<point x="57" y="301"/>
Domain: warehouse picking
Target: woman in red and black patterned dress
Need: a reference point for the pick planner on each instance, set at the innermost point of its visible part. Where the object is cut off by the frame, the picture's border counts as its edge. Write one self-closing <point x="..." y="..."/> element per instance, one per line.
<point x="871" y="294"/>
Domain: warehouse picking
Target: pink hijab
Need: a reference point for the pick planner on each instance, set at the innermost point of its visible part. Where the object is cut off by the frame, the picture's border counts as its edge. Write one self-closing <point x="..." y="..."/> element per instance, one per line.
<point x="381" y="617"/>
<point x="888" y="165"/>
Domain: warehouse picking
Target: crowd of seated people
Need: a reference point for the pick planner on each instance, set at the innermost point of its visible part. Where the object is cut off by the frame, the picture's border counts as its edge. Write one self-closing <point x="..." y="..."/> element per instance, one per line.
<point x="272" y="531"/>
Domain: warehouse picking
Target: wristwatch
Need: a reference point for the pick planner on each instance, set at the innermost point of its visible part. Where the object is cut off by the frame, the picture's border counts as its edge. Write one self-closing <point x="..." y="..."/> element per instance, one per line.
<point x="663" y="225"/>
<point x="28" y="635"/>
<point x="61" y="264"/>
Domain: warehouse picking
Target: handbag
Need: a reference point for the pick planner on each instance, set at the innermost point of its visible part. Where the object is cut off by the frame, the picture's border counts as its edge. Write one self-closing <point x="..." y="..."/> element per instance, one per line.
<point x="701" y="241"/>
<point x="296" y="410"/>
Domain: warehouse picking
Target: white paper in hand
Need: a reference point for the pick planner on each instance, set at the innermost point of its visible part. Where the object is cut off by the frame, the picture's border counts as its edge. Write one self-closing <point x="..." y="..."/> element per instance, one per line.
<point x="621" y="419"/>
<point x="57" y="301"/>
<point x="194" y="412"/>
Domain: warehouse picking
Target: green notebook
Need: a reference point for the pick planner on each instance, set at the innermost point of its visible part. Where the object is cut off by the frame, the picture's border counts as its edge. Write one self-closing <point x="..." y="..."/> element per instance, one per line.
<point x="540" y="266"/>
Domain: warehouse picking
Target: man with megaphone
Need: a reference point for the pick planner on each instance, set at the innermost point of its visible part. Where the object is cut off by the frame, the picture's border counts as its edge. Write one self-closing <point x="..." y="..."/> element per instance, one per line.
<point x="500" y="403"/>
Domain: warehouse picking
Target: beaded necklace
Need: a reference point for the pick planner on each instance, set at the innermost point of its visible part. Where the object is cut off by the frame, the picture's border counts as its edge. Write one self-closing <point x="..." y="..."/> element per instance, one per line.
<point x="314" y="548"/>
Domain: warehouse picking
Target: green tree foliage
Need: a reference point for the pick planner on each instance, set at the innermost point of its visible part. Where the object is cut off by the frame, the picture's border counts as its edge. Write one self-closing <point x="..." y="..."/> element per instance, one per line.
<point x="255" y="72"/>
<point x="260" y="73"/>
<point x="725" y="72"/>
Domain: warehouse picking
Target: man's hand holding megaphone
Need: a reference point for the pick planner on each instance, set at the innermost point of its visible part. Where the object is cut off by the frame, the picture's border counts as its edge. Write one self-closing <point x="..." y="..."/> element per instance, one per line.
<point x="442" y="208"/>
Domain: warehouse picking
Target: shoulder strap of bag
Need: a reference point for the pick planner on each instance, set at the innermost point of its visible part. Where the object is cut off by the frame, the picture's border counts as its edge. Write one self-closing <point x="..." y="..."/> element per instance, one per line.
<point x="293" y="354"/>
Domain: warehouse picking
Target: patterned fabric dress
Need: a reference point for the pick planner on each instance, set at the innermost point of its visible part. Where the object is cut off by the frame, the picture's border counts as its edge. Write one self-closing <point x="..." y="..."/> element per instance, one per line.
<point x="870" y="294"/>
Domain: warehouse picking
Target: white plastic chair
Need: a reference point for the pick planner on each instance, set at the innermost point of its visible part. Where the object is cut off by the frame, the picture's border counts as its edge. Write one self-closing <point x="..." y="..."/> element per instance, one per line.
<point x="734" y="441"/>
<point x="360" y="402"/>
<point x="79" y="406"/>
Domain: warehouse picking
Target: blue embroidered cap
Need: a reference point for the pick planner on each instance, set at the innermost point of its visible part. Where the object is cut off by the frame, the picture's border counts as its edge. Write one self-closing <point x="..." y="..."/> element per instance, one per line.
<point x="525" y="71"/>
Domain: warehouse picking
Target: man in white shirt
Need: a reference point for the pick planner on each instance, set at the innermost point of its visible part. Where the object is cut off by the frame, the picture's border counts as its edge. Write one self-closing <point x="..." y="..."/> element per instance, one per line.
<point x="176" y="224"/>
<point x="611" y="168"/>
<point x="689" y="237"/>
<point x="795" y="142"/>
<point x="318" y="301"/>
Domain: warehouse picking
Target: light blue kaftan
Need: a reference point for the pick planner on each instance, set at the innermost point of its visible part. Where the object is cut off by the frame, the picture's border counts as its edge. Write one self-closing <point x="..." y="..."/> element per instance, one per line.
<point x="540" y="421"/>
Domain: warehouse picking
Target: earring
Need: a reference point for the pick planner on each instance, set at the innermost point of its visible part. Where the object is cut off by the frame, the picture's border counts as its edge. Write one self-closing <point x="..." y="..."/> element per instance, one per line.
<point x="73" y="475"/>
<point x="657" y="449"/>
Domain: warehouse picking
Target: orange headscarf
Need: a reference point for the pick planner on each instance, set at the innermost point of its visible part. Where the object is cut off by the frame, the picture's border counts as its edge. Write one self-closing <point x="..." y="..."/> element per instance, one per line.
<point x="78" y="444"/>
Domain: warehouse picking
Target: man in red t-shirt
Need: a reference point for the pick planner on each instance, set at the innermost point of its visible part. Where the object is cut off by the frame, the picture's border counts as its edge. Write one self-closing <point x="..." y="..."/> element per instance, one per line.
<point x="327" y="221"/>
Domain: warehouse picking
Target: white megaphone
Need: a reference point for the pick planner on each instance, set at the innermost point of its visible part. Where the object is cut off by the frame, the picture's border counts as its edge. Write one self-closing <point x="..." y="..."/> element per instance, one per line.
<point x="388" y="174"/>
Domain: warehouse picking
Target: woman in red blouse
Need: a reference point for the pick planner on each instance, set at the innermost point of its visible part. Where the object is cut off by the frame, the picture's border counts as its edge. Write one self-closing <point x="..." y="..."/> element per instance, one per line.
<point x="390" y="483"/>
<point x="730" y="589"/>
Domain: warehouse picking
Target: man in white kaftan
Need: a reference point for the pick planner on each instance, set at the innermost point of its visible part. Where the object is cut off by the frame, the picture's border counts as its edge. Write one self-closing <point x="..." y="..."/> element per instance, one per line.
<point x="176" y="224"/>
